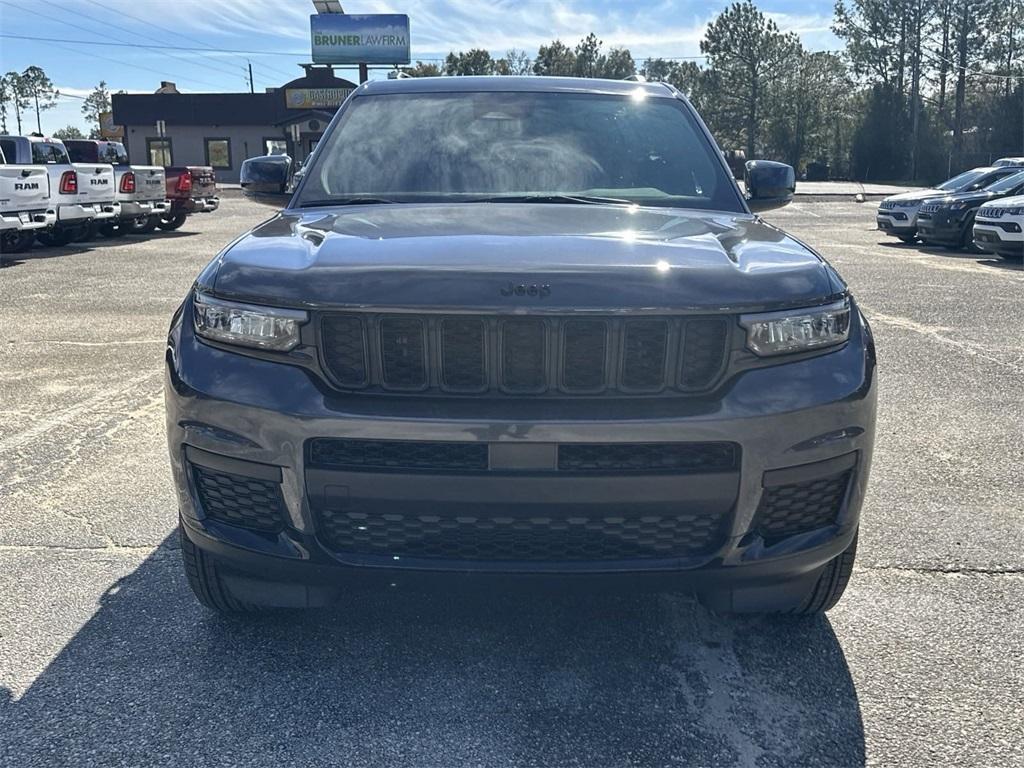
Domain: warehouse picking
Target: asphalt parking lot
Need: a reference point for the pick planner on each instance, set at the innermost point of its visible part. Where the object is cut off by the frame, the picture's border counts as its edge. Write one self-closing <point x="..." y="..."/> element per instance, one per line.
<point x="106" y="659"/>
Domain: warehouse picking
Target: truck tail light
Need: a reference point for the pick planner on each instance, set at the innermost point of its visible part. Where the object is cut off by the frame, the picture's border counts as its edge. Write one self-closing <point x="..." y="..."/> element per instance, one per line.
<point x="69" y="183"/>
<point x="128" y="182"/>
<point x="185" y="181"/>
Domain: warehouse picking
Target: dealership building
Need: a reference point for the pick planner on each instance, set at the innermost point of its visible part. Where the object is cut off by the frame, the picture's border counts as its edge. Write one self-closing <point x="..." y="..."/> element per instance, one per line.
<point x="223" y="129"/>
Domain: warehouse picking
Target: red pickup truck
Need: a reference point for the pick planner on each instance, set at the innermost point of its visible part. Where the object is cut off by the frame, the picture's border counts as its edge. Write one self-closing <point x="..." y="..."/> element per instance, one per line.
<point x="191" y="189"/>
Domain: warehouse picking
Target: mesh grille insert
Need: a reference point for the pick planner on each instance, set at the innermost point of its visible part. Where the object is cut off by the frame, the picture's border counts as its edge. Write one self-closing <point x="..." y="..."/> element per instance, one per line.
<point x="462" y="354"/>
<point x="523" y="355"/>
<point x="402" y="353"/>
<point x="492" y="537"/>
<point x="344" y="344"/>
<point x="239" y="500"/>
<point x="397" y="454"/>
<point x="643" y="355"/>
<point x="585" y="350"/>
<point x="703" y="352"/>
<point x="787" y="510"/>
<point x="648" y="457"/>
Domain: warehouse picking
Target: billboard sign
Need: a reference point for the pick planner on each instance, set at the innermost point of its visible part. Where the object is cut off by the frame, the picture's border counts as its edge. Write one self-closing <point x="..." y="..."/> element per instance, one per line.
<point x="342" y="38"/>
<point x="315" y="98"/>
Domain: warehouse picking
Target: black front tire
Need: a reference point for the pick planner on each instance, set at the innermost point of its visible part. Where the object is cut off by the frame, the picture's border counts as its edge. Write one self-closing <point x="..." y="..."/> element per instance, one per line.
<point x="174" y="221"/>
<point x="112" y="230"/>
<point x="831" y="583"/>
<point x="908" y="239"/>
<point x="204" y="577"/>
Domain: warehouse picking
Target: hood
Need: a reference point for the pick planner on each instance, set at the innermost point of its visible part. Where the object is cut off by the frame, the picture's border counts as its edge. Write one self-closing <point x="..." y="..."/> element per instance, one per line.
<point x="978" y="196"/>
<point x="914" y="195"/>
<point x="476" y="255"/>
<point x="1017" y="201"/>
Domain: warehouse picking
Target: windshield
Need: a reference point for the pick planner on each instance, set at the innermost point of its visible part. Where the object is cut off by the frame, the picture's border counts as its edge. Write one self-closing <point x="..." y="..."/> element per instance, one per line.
<point x="958" y="182"/>
<point x="485" y="146"/>
<point x="1006" y="184"/>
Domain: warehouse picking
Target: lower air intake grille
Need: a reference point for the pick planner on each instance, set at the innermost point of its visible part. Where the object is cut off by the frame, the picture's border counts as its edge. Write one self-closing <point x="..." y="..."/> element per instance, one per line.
<point x="787" y="510"/>
<point x="239" y="500"/>
<point x="487" y="537"/>
<point x="647" y="457"/>
<point x="397" y="454"/>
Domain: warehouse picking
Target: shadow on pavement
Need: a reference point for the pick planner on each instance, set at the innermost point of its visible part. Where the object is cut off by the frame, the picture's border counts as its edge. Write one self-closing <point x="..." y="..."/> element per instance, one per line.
<point x="978" y="257"/>
<point x="434" y="679"/>
<point x="38" y="251"/>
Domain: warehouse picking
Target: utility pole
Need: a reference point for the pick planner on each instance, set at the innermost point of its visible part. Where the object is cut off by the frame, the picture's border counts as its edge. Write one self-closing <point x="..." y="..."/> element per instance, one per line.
<point x="252" y="88"/>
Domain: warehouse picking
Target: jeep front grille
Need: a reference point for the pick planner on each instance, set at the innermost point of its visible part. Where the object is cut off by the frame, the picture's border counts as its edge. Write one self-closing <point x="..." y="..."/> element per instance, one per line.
<point x="475" y="354"/>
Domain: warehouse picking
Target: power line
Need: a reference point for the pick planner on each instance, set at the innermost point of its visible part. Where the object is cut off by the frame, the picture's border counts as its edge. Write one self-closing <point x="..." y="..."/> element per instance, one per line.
<point x="115" y="26"/>
<point x="177" y="32"/>
<point x="148" y="47"/>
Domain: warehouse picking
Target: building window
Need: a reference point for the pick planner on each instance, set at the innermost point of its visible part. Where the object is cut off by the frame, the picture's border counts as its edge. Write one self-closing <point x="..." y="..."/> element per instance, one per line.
<point x="159" y="151"/>
<point x="275" y="146"/>
<point x="218" y="153"/>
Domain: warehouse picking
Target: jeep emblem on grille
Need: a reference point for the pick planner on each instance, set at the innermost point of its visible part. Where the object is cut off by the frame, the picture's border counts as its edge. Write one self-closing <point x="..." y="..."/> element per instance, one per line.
<point x="526" y="289"/>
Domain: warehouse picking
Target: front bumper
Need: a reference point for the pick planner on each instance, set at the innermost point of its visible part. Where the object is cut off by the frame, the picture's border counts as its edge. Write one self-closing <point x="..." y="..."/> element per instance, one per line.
<point x="942" y="227"/>
<point x="998" y="238"/>
<point x="24" y="220"/>
<point x="251" y="417"/>
<point x="896" y="223"/>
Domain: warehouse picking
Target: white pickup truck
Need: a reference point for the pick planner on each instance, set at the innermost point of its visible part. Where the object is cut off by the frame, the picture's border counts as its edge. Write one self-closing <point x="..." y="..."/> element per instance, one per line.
<point x="24" y="204"/>
<point x="140" y="188"/>
<point x="82" y="194"/>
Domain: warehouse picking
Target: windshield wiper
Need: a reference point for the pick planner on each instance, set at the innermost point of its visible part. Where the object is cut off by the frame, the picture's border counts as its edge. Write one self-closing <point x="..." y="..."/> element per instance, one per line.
<point x="347" y="201"/>
<point x="572" y="199"/>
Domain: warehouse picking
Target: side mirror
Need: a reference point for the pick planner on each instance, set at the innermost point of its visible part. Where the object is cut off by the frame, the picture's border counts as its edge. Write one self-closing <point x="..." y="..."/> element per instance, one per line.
<point x="769" y="185"/>
<point x="265" y="179"/>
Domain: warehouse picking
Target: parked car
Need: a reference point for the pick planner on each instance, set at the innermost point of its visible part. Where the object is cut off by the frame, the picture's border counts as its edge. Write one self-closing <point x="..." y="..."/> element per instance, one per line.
<point x="548" y="339"/>
<point x="949" y="220"/>
<point x="139" y="188"/>
<point x="897" y="214"/>
<point x="190" y="189"/>
<point x="24" y="203"/>
<point x="1010" y="161"/>
<point x="999" y="227"/>
<point x="81" y="194"/>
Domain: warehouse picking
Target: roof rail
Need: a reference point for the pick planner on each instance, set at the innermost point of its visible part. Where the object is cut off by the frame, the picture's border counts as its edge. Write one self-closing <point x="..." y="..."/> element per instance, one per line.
<point x="636" y="77"/>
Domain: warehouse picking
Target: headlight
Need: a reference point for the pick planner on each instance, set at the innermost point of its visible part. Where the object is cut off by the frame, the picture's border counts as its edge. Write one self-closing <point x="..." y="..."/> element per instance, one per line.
<point x="797" y="330"/>
<point x="957" y="206"/>
<point x="247" y="325"/>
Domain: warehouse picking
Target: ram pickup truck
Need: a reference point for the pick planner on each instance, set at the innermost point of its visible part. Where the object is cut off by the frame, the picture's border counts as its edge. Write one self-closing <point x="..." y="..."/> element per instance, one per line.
<point x="24" y="204"/>
<point x="190" y="189"/>
<point x="82" y="194"/>
<point x="531" y="330"/>
<point x="140" y="188"/>
<point x="897" y="215"/>
<point x="949" y="220"/>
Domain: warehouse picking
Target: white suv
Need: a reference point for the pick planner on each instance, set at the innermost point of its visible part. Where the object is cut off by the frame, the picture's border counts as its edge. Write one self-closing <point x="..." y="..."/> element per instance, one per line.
<point x="999" y="227"/>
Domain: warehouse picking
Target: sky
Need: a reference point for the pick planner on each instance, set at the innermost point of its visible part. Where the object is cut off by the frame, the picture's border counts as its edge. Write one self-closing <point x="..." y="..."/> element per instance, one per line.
<point x="275" y="35"/>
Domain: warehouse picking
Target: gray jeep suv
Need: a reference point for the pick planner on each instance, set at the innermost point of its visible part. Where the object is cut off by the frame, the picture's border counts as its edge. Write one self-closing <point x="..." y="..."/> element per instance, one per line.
<point x="519" y="330"/>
